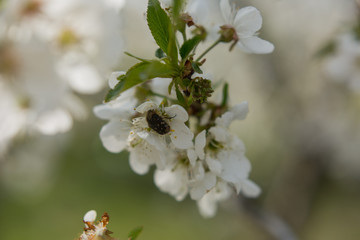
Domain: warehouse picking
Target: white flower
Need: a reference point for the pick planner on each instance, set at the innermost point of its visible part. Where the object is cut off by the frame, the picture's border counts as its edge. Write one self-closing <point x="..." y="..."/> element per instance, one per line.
<point x="52" y="48"/>
<point x="50" y="104"/>
<point x="84" y="35"/>
<point x="146" y="143"/>
<point x="208" y="203"/>
<point x="143" y="155"/>
<point x="202" y="182"/>
<point x="246" y="22"/>
<point x="175" y="116"/>
<point x="95" y="231"/>
<point x="229" y="161"/>
<point x="87" y="35"/>
<point x="343" y="66"/>
<point x="220" y="130"/>
<point x="173" y="180"/>
<point x="123" y="132"/>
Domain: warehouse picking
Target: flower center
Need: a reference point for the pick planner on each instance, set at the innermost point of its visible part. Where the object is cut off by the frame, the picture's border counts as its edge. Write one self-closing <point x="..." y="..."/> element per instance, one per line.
<point x="67" y="37"/>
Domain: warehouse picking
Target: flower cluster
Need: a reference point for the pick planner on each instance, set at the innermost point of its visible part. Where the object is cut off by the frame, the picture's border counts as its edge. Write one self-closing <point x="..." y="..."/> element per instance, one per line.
<point x="50" y="49"/>
<point x="94" y="231"/>
<point x="99" y="231"/>
<point x="179" y="130"/>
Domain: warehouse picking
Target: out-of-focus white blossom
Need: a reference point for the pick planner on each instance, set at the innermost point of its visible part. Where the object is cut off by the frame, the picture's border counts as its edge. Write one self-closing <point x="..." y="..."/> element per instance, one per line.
<point x="13" y="117"/>
<point x="343" y="65"/>
<point x="50" y="48"/>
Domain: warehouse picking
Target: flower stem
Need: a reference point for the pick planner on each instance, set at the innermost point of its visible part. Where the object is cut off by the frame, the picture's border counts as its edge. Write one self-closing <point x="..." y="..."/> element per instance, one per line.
<point x="208" y="50"/>
<point x="184" y="35"/>
<point x="162" y="96"/>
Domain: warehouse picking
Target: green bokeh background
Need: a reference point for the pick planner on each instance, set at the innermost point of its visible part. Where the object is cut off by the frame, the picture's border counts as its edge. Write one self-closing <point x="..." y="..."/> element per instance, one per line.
<point x="86" y="176"/>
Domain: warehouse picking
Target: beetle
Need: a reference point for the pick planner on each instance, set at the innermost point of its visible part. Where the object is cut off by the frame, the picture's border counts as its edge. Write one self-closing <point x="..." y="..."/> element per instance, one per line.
<point x="157" y="123"/>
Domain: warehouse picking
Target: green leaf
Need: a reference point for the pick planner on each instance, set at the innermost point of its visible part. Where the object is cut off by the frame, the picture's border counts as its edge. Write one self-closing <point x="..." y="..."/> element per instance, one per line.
<point x="180" y="97"/>
<point x="135" y="233"/>
<point x="140" y="73"/>
<point x="189" y="45"/>
<point x="225" y="95"/>
<point x="170" y="86"/>
<point x="159" y="24"/>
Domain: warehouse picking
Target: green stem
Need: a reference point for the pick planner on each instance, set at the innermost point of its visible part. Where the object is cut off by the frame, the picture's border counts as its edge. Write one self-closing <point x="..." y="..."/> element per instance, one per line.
<point x="162" y="96"/>
<point x="208" y="50"/>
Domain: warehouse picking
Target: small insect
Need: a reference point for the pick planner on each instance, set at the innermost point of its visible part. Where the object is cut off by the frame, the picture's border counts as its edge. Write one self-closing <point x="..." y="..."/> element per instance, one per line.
<point x="157" y="123"/>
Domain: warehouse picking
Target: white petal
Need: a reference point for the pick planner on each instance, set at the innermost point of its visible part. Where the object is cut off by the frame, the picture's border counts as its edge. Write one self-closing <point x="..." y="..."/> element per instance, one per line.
<point x="76" y="107"/>
<point x="113" y="78"/>
<point x="136" y="165"/>
<point x="181" y="136"/>
<point x="209" y="180"/>
<point x="114" y="135"/>
<point x="199" y="189"/>
<point x="143" y="134"/>
<point x="196" y="173"/>
<point x="255" y="45"/>
<point x="90" y="216"/>
<point x="200" y="142"/>
<point x="154" y="139"/>
<point x="191" y="154"/>
<point x="117" y="4"/>
<point x="177" y="112"/>
<point x="84" y="78"/>
<point x="220" y="133"/>
<point x="146" y="106"/>
<point x="113" y="111"/>
<point x="237" y="145"/>
<point x="172" y="181"/>
<point x="240" y="111"/>
<point x="247" y="21"/>
<point x="143" y="155"/>
<point x="207" y="206"/>
<point x="53" y="122"/>
<point x="163" y="160"/>
<point x="214" y="165"/>
<point x="225" y="120"/>
<point x="235" y="167"/>
<point x="250" y="189"/>
<point x="226" y="11"/>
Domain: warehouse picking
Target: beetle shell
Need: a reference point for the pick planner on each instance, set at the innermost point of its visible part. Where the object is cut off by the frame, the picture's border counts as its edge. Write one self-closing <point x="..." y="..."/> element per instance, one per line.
<point x="157" y="123"/>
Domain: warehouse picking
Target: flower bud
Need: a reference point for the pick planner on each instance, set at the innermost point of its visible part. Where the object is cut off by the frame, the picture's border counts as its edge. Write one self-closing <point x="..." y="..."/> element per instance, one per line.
<point x="228" y="34"/>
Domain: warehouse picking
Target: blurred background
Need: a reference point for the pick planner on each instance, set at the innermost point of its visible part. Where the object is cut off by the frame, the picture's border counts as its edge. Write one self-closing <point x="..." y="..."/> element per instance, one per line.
<point x="302" y="136"/>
